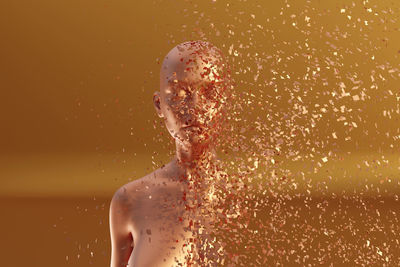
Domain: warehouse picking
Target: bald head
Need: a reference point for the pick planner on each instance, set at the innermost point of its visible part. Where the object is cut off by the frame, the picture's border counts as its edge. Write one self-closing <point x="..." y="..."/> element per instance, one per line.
<point x="194" y="85"/>
<point x="194" y="62"/>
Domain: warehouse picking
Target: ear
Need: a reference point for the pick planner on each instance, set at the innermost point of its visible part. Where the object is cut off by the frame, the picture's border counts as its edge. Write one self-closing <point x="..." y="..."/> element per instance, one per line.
<point x="157" y="104"/>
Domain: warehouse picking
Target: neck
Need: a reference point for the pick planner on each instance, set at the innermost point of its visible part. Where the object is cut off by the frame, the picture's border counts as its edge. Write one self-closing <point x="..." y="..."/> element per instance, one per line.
<point x="191" y="157"/>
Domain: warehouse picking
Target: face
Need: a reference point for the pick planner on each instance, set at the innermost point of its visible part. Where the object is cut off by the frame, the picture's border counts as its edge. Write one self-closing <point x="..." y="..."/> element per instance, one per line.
<point x="190" y="111"/>
<point x="191" y="98"/>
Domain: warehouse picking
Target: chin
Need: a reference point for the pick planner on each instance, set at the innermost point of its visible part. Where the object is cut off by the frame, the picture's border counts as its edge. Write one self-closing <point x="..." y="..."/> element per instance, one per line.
<point x="193" y="139"/>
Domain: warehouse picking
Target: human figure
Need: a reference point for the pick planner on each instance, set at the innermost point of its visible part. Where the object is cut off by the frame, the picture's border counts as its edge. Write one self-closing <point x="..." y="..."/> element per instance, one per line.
<point x="152" y="221"/>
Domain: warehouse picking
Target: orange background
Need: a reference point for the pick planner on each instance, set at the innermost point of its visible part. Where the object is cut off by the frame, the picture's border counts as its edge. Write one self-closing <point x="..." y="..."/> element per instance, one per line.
<point x="77" y="121"/>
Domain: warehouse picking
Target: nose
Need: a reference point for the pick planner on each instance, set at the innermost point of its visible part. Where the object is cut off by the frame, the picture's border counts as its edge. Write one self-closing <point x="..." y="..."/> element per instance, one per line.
<point x="188" y="116"/>
<point x="188" y="112"/>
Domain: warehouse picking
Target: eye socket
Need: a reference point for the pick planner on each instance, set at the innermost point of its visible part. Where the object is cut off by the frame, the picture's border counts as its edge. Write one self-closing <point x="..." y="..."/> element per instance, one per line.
<point x="179" y="94"/>
<point x="182" y="93"/>
<point x="209" y="91"/>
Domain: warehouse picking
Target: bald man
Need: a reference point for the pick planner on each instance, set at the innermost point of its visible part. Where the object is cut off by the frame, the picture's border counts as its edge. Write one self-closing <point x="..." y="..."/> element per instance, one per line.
<point x="152" y="221"/>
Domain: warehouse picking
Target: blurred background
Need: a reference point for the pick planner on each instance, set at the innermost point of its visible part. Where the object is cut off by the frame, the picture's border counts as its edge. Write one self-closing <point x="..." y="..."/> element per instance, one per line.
<point x="77" y="119"/>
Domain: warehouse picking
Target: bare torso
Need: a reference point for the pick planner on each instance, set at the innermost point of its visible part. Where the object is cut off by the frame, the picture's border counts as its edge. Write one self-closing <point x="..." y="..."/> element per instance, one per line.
<point x="158" y="220"/>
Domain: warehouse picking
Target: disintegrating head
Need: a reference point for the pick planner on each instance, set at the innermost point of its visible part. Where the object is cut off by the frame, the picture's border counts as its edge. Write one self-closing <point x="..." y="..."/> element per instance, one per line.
<point x="194" y="91"/>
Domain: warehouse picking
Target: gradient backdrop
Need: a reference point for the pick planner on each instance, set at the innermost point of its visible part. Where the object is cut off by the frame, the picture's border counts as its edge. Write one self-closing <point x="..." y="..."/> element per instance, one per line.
<point x="77" y="121"/>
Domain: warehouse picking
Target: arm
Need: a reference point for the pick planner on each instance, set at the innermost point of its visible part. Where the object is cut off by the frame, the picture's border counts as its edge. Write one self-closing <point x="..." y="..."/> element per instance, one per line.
<point x="121" y="238"/>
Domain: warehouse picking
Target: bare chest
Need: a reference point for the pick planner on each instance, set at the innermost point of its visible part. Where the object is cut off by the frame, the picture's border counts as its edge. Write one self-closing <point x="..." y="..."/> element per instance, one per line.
<point x="162" y="236"/>
<point x="161" y="229"/>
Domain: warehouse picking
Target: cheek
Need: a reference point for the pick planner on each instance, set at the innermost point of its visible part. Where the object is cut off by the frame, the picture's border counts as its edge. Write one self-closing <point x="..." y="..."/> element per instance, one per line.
<point x="171" y="120"/>
<point x="176" y="111"/>
<point x="208" y="112"/>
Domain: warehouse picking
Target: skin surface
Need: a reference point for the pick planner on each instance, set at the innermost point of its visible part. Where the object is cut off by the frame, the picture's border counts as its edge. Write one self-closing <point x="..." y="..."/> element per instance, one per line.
<point x="149" y="217"/>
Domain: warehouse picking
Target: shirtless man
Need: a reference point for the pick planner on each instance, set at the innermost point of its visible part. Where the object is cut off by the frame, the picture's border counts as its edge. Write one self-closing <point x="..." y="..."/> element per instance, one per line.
<point x="156" y="220"/>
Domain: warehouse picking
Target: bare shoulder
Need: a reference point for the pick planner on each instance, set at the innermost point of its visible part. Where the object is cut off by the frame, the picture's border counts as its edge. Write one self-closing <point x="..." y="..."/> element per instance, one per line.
<point x="127" y="205"/>
<point x="128" y="193"/>
<point x="147" y="188"/>
<point x="150" y="199"/>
